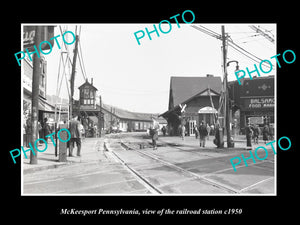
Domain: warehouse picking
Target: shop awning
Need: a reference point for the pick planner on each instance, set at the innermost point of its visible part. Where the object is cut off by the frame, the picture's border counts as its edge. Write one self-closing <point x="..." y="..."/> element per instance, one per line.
<point x="45" y="106"/>
<point x="207" y="110"/>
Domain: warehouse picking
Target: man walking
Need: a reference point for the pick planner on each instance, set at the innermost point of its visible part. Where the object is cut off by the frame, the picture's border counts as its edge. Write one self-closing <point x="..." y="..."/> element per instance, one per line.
<point x="154" y="132"/>
<point x="202" y="134"/>
<point x="249" y="134"/>
<point x="75" y="135"/>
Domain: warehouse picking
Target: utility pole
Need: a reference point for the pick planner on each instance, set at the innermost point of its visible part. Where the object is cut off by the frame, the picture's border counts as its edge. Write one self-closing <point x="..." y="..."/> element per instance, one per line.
<point x="35" y="92"/>
<point x="225" y="85"/>
<point x="73" y="75"/>
<point x="100" y="117"/>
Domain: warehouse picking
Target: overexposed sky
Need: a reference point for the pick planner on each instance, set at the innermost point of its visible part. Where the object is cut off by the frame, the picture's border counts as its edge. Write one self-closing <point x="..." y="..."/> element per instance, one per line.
<point x="137" y="77"/>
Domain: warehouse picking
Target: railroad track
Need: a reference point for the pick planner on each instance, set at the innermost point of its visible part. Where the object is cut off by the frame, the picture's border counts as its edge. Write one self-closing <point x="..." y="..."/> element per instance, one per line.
<point x="152" y="187"/>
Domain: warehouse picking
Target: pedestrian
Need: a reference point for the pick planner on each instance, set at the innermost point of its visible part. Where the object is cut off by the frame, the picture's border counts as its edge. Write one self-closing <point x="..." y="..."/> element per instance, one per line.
<point x="82" y="131"/>
<point x="45" y="129"/>
<point x="208" y="128"/>
<point x="266" y="132"/>
<point x="196" y="131"/>
<point x="218" y="141"/>
<point x="75" y="135"/>
<point x="255" y="133"/>
<point x="182" y="131"/>
<point x="95" y="130"/>
<point x="154" y="133"/>
<point x="164" y="130"/>
<point x="249" y="133"/>
<point x="28" y="130"/>
<point x="202" y="134"/>
<point x="271" y="132"/>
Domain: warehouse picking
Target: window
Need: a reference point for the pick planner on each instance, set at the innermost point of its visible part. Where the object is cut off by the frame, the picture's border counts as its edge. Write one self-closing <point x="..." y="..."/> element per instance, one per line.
<point x="86" y="93"/>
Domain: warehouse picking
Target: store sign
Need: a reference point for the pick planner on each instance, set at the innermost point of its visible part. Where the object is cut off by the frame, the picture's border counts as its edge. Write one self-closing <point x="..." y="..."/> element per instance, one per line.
<point x="256" y="120"/>
<point x="254" y="103"/>
<point x="29" y="35"/>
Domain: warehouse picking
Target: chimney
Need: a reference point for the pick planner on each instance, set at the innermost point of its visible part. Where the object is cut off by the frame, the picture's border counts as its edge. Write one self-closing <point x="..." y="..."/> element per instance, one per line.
<point x="209" y="75"/>
<point x="91" y="81"/>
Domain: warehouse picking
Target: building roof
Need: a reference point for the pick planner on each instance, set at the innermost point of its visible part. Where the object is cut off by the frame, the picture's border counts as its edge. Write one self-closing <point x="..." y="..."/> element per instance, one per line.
<point x="184" y="88"/>
<point x="87" y="84"/>
<point x="125" y="114"/>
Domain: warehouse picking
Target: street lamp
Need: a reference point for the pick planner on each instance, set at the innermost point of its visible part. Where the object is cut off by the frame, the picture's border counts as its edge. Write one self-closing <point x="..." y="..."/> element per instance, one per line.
<point x="237" y="64"/>
<point x="229" y="140"/>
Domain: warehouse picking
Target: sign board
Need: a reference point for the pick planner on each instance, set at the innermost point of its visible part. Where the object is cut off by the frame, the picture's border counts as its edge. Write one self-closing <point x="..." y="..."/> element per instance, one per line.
<point x="259" y="103"/>
<point x="29" y="36"/>
<point x="256" y="120"/>
<point x="27" y="78"/>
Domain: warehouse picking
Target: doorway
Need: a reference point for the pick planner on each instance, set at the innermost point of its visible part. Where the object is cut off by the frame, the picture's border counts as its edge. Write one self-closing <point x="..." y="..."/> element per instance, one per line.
<point x="192" y="124"/>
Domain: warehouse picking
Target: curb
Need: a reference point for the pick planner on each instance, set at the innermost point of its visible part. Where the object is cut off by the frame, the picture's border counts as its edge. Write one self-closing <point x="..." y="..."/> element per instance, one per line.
<point x="40" y="168"/>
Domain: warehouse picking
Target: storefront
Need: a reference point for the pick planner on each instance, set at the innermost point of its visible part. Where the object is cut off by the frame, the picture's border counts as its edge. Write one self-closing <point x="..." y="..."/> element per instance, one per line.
<point x="254" y="100"/>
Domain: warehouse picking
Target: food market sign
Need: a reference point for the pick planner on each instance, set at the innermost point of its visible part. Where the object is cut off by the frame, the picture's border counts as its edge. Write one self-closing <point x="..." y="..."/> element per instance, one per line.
<point x="262" y="102"/>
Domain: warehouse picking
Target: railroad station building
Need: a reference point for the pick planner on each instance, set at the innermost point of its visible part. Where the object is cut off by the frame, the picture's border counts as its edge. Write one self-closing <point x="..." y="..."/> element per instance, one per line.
<point x="201" y="97"/>
<point x="253" y="102"/>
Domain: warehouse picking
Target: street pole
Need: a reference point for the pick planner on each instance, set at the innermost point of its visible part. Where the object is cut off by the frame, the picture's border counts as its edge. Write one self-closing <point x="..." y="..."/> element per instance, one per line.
<point x="100" y="117"/>
<point x="35" y="93"/>
<point x="226" y="107"/>
<point x="73" y="76"/>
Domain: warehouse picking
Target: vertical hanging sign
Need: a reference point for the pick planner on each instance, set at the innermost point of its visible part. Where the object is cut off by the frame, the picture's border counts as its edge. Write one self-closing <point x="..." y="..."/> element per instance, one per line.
<point x="29" y="35"/>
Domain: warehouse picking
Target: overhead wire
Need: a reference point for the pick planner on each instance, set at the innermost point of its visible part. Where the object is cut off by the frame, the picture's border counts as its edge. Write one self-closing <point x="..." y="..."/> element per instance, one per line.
<point x="248" y="54"/>
<point x="232" y="44"/>
<point x="207" y="31"/>
<point x="61" y="32"/>
<point x="81" y="62"/>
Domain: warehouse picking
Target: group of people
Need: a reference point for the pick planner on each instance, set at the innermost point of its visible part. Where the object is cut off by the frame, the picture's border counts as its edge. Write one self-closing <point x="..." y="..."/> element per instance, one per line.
<point x="253" y="132"/>
<point x="43" y="128"/>
<point x="75" y="127"/>
<point x="202" y="131"/>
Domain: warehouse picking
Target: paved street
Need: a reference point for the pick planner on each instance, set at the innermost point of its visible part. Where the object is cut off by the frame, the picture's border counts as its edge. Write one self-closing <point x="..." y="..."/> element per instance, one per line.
<point x="126" y="164"/>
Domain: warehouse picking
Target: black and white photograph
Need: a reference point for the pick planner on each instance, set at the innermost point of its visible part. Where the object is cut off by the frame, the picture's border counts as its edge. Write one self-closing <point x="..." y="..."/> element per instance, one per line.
<point x="175" y="108"/>
<point x="138" y="112"/>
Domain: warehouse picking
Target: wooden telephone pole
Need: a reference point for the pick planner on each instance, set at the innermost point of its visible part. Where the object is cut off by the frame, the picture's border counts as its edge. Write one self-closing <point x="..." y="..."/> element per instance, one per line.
<point x="100" y="117"/>
<point x="73" y="76"/>
<point x="35" y="93"/>
<point x="225" y="85"/>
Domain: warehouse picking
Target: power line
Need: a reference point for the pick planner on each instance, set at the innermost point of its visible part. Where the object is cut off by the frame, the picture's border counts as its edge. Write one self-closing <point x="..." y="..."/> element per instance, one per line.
<point x="66" y="47"/>
<point x="81" y="62"/>
<point x="210" y="31"/>
<point x="255" y="60"/>
<point x="232" y="44"/>
<point x="82" y="66"/>
<point x="207" y="31"/>
<point x="258" y="30"/>
<point x="245" y="52"/>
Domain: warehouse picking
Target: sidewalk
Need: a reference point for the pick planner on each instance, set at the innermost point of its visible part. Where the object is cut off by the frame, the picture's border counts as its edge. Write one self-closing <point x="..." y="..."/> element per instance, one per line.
<point x="91" y="150"/>
<point x="189" y="141"/>
<point x="239" y="142"/>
